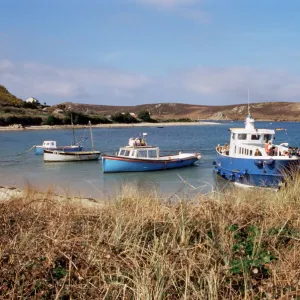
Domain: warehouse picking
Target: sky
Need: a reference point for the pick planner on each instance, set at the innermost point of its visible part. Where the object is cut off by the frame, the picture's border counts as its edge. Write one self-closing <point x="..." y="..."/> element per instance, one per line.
<point x="130" y="52"/>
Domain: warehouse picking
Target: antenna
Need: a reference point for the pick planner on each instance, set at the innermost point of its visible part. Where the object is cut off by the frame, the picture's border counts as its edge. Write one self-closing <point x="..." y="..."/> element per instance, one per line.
<point x="248" y="104"/>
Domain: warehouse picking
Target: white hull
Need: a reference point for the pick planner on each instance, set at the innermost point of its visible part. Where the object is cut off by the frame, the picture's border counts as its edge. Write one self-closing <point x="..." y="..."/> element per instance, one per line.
<point x="61" y="156"/>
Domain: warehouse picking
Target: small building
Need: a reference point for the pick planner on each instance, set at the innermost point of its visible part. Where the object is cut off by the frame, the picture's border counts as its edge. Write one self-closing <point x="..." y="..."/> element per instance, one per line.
<point x="32" y="100"/>
<point x="133" y="114"/>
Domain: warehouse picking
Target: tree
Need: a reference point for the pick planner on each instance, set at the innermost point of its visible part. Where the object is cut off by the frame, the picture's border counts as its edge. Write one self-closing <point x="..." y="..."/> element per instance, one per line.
<point x="124" y="118"/>
<point x="144" y="115"/>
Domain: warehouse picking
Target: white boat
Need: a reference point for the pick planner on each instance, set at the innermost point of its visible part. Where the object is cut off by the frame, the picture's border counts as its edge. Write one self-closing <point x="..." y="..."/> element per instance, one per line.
<point x="62" y="156"/>
<point x="66" y="156"/>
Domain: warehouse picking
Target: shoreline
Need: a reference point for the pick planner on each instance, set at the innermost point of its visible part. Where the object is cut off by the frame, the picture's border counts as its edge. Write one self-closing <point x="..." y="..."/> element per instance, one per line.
<point x="61" y="127"/>
<point x="9" y="193"/>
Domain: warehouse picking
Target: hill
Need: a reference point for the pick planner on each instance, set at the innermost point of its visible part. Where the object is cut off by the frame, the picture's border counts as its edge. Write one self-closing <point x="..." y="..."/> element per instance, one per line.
<point x="7" y="99"/>
<point x="273" y="111"/>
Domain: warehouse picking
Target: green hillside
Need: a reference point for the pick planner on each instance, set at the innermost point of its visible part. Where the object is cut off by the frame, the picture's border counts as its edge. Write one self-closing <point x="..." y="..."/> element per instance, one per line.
<point x="7" y="99"/>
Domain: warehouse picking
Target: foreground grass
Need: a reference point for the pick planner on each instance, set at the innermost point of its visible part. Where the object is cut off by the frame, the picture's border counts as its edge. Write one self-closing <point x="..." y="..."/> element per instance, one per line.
<point x="234" y="245"/>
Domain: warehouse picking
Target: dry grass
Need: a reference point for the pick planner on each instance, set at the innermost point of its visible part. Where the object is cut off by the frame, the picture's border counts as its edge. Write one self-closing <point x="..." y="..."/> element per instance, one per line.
<point x="242" y="244"/>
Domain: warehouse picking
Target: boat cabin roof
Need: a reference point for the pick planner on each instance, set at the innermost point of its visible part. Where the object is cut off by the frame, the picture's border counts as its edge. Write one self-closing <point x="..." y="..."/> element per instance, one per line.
<point x="252" y="131"/>
<point x="138" y="148"/>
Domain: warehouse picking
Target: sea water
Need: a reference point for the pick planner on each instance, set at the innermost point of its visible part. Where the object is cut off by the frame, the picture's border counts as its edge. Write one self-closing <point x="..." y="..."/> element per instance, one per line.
<point x="20" y="168"/>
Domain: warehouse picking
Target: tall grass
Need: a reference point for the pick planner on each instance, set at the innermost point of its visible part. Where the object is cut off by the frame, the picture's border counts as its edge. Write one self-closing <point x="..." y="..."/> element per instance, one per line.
<point x="241" y="244"/>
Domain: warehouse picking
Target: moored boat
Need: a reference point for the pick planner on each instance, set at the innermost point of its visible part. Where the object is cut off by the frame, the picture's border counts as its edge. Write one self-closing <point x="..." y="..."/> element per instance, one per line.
<point x="252" y="158"/>
<point x="141" y="157"/>
<point x="62" y="156"/>
<point x="67" y="156"/>
<point x="51" y="145"/>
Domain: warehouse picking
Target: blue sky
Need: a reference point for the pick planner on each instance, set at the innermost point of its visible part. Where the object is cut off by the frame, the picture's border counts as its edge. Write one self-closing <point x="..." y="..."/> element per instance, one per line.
<point x="128" y="52"/>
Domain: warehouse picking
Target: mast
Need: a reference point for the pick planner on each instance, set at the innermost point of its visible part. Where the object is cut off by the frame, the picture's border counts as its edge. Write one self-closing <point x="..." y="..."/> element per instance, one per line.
<point x="248" y="104"/>
<point x="92" y="139"/>
<point x="74" y="141"/>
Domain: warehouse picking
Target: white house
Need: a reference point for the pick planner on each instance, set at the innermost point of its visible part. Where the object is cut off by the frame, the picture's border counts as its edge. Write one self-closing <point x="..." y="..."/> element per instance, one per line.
<point x="31" y="100"/>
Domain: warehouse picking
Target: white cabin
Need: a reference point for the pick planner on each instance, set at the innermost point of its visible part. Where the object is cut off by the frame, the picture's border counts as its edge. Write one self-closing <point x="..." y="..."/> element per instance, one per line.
<point x="49" y="144"/>
<point x="248" y="141"/>
<point x="139" y="152"/>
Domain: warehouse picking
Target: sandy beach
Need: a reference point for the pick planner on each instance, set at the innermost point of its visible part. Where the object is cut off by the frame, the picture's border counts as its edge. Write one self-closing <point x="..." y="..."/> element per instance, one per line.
<point x="59" y="127"/>
<point x="10" y="193"/>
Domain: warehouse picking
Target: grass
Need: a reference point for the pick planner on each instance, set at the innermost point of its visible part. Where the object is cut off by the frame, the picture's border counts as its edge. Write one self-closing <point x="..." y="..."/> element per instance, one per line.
<point x="239" y="244"/>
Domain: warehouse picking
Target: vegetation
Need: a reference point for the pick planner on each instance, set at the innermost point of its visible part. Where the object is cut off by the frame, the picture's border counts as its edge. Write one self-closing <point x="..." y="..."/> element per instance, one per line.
<point x="176" y="120"/>
<point x="22" y="120"/>
<point x="238" y="244"/>
<point x="7" y="99"/>
<point x="144" y="116"/>
<point x="124" y="118"/>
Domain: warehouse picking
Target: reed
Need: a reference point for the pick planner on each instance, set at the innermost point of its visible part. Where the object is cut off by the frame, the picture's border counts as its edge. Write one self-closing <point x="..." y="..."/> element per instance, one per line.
<point x="238" y="244"/>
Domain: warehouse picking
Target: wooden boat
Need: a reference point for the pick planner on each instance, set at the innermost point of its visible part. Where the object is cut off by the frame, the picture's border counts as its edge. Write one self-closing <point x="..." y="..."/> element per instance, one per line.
<point x="140" y="158"/>
<point x="64" y="156"/>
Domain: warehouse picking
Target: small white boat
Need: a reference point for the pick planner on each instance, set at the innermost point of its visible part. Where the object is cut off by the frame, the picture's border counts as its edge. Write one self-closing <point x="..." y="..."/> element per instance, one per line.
<point x="62" y="156"/>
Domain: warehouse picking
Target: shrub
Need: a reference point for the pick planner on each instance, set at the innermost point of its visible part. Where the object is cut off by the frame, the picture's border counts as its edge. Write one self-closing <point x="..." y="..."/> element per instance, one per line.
<point x="124" y="118"/>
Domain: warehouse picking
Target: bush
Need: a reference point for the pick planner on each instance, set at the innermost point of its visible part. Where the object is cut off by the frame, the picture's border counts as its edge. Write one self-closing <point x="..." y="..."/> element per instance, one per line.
<point x="124" y="118"/>
<point x="30" y="105"/>
<point x="144" y="115"/>
<point x="23" y="120"/>
<point x="52" y="120"/>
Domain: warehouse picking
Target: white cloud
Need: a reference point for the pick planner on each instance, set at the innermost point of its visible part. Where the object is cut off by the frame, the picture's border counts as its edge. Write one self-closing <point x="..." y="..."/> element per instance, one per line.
<point x="6" y="64"/>
<point x="33" y="79"/>
<point x="232" y="84"/>
<point x="203" y="85"/>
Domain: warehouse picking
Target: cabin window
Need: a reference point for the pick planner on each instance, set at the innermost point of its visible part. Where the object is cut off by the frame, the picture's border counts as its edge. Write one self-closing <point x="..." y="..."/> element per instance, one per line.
<point x="142" y="153"/>
<point x="233" y="136"/>
<point x="126" y="153"/>
<point x="251" y="152"/>
<point x="242" y="136"/>
<point x="255" y="137"/>
<point x="152" y="153"/>
<point x="234" y="149"/>
<point x="267" y="137"/>
<point x="122" y="152"/>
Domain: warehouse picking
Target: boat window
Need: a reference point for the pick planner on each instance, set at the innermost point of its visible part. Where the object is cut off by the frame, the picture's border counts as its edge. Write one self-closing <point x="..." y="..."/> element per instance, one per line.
<point x="122" y="152"/>
<point x="242" y="136"/>
<point x="142" y="153"/>
<point x="267" y="137"/>
<point x="126" y="153"/>
<point x="233" y="136"/>
<point x="234" y="149"/>
<point x="152" y="153"/>
<point x="255" y="137"/>
<point x="251" y="152"/>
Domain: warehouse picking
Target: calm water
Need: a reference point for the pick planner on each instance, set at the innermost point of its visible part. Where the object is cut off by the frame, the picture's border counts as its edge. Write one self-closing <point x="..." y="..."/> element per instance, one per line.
<point x="86" y="178"/>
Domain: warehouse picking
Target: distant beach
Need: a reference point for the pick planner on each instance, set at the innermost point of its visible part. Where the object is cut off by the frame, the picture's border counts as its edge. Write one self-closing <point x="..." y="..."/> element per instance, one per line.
<point x="48" y="127"/>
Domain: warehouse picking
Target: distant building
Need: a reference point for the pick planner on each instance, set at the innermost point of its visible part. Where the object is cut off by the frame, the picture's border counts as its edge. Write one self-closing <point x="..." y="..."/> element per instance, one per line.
<point x="132" y="114"/>
<point x="32" y="100"/>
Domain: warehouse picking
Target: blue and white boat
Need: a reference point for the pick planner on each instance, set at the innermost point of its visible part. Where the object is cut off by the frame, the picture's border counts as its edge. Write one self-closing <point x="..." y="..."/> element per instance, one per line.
<point x="51" y="145"/>
<point x="140" y="158"/>
<point x="252" y="158"/>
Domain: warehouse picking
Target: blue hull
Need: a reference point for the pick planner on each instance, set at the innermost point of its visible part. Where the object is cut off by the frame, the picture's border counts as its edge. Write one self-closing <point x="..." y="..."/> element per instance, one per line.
<point x="40" y="150"/>
<point x="254" y="171"/>
<point x="113" y="164"/>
